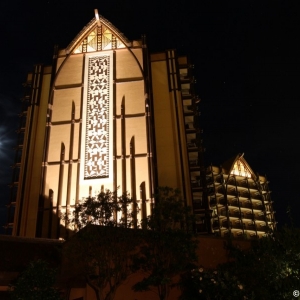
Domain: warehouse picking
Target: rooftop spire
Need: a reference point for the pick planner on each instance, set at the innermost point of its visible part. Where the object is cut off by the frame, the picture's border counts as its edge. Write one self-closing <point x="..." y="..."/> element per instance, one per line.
<point x="97" y="16"/>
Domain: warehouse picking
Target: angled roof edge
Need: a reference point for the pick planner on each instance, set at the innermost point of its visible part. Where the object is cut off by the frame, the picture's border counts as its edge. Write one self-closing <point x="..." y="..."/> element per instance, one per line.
<point x="229" y="164"/>
<point x="85" y="30"/>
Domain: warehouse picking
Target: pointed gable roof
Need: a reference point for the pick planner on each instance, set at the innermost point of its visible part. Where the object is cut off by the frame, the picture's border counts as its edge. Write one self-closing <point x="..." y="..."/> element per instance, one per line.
<point x="99" y="34"/>
<point x="238" y="166"/>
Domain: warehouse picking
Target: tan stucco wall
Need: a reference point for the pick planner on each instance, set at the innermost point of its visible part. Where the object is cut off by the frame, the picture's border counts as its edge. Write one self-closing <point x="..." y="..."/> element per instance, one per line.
<point x="168" y="165"/>
<point x="70" y="87"/>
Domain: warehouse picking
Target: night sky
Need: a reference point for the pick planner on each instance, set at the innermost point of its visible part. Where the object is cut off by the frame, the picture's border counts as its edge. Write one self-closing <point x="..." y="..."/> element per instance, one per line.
<point x="247" y="66"/>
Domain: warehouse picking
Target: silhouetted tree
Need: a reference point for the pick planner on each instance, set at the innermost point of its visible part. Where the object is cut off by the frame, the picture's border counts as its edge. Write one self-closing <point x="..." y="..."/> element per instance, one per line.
<point x="270" y="269"/>
<point x="35" y="283"/>
<point x="104" y="252"/>
<point x="103" y="210"/>
<point x="207" y="284"/>
<point x="169" y="247"/>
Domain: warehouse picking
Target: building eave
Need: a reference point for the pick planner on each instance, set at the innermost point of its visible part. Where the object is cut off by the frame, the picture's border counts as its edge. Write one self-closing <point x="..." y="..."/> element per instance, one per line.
<point x="94" y="22"/>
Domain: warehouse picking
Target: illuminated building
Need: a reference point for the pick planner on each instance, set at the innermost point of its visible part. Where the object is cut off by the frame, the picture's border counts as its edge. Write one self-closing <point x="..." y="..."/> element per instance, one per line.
<point x="177" y="134"/>
<point x="107" y="115"/>
<point x="92" y="121"/>
<point x="239" y="200"/>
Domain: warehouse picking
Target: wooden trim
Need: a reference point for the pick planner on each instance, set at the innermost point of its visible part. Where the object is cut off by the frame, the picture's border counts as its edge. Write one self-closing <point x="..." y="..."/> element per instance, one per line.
<point x="130" y="79"/>
<point x="138" y="115"/>
<point x="68" y="86"/>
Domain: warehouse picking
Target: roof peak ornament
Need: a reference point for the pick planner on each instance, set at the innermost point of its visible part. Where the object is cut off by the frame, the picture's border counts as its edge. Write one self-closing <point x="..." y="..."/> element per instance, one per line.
<point x="99" y="34"/>
<point x="97" y="16"/>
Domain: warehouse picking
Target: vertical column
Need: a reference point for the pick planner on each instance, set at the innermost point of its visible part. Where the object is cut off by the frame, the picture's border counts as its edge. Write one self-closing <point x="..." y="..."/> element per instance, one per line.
<point x="173" y="89"/>
<point x="143" y="200"/>
<point x="114" y="108"/>
<point x="80" y="139"/>
<point x="69" y="184"/>
<point x="149" y="120"/>
<point x="133" y="181"/>
<point x="27" y="160"/>
<point x="60" y="188"/>
<point x="123" y="154"/>
<point x="50" y="214"/>
<point x="123" y="145"/>
<point x="47" y="138"/>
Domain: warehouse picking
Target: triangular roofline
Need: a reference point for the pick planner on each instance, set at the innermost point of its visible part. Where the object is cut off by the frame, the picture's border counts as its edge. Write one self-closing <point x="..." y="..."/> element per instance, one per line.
<point x="242" y="159"/>
<point x="98" y="18"/>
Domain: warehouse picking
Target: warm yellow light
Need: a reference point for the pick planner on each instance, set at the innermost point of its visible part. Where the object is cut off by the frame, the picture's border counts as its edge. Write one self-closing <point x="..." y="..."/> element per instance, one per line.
<point x="96" y="14"/>
<point x="240" y="169"/>
<point x="97" y="17"/>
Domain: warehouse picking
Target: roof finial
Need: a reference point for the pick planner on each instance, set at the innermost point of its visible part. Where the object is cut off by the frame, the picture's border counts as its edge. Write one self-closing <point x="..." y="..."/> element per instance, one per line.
<point x="97" y="16"/>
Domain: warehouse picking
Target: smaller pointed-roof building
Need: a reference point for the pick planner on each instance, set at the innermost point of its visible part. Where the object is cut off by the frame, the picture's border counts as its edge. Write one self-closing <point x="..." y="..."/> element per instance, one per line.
<point x="238" y="200"/>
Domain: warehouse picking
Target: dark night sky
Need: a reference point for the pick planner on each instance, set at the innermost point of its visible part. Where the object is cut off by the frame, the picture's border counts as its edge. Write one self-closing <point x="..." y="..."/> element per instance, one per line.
<point x="247" y="67"/>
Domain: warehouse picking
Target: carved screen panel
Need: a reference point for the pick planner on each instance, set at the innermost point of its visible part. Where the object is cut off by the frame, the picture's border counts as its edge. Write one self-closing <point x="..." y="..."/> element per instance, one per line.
<point x="97" y="121"/>
<point x="97" y="152"/>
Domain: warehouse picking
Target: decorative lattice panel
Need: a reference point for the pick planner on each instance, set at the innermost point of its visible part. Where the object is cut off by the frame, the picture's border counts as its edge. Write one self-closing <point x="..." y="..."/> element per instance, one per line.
<point x="97" y="119"/>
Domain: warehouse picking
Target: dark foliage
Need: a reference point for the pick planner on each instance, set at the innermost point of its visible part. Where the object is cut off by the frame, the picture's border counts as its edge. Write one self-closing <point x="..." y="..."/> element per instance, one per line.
<point x="169" y="247"/>
<point x="105" y="251"/>
<point x="36" y="283"/>
<point x="270" y="269"/>
<point x="102" y="210"/>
